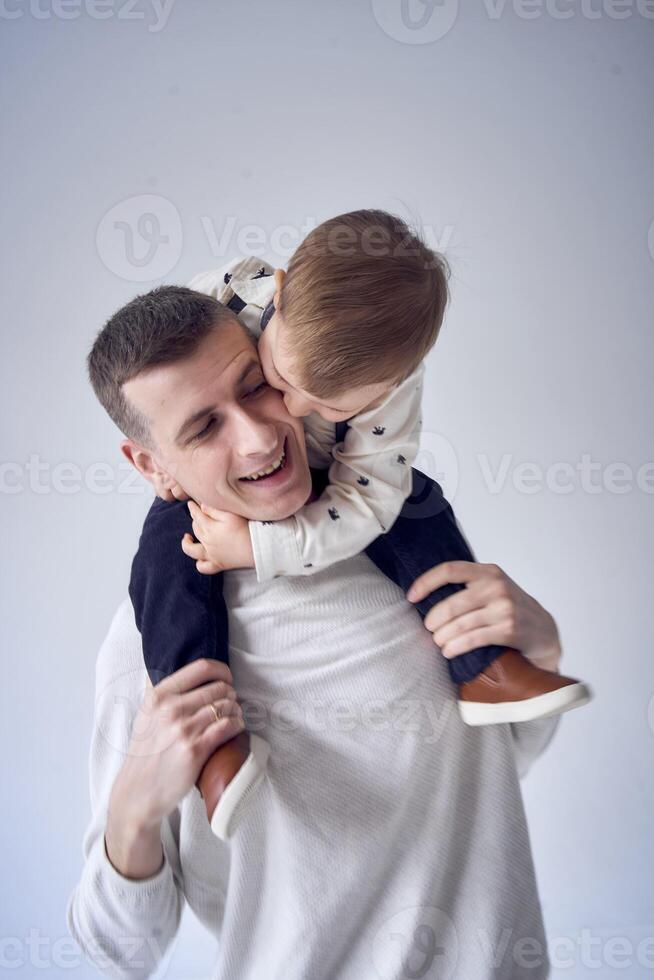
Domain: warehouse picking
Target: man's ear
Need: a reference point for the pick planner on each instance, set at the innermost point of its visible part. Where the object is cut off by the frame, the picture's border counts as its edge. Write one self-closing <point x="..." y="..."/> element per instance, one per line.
<point x="149" y="467"/>
<point x="280" y="275"/>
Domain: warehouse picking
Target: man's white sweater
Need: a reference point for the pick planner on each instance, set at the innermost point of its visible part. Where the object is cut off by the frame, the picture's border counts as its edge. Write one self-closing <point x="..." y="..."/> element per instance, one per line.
<point x="388" y="839"/>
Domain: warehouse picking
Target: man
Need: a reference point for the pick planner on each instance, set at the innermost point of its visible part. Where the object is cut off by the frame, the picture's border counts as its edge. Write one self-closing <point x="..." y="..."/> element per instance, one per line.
<point x="388" y="839"/>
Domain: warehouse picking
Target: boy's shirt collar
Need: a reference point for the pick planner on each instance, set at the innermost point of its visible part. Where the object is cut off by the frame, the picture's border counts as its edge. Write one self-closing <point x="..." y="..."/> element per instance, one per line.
<point x="266" y="315"/>
<point x="254" y="283"/>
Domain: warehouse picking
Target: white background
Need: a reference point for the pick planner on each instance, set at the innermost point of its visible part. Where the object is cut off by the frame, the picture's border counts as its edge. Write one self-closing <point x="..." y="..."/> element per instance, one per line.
<point x="522" y="140"/>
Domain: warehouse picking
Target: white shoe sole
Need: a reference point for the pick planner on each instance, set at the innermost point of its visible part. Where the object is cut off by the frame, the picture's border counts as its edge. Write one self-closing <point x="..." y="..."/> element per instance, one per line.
<point x="240" y="790"/>
<point x="542" y="706"/>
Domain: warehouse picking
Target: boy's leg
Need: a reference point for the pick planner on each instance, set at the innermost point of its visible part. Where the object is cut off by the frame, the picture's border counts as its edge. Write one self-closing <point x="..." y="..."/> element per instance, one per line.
<point x="179" y="612"/>
<point x="181" y="615"/>
<point x="495" y="684"/>
<point x="426" y="534"/>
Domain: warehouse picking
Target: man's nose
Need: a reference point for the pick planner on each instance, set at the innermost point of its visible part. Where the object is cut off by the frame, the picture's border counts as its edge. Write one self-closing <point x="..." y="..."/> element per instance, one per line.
<point x="296" y="405"/>
<point x="255" y="437"/>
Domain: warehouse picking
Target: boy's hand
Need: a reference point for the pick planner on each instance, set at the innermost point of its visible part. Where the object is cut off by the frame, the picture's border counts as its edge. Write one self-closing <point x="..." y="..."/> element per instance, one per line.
<point x="174" y="493"/>
<point x="492" y="609"/>
<point x="223" y="540"/>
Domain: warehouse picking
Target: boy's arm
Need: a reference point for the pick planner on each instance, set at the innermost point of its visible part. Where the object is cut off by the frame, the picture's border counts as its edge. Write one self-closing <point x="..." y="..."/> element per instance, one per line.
<point x="246" y="285"/>
<point x="369" y="481"/>
<point x="123" y="925"/>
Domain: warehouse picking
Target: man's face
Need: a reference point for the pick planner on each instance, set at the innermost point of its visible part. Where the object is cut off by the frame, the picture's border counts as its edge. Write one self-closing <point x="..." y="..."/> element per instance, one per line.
<point x="214" y="422"/>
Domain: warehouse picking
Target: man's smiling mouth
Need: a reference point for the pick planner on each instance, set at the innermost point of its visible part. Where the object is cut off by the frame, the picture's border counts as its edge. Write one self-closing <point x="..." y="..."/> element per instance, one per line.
<point x="274" y="467"/>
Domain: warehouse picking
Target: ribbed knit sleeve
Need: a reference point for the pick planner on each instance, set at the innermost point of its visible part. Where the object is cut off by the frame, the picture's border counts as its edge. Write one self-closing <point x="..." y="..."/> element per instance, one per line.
<point x="123" y="925"/>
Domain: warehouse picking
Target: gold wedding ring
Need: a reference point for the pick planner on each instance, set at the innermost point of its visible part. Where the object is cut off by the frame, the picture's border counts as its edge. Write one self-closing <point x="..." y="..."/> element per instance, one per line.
<point x="213" y="708"/>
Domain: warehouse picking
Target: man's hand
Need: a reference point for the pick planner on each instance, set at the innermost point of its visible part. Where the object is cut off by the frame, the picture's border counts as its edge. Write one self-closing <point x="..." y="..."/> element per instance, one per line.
<point x="492" y="609"/>
<point x="223" y="540"/>
<point x="173" y="735"/>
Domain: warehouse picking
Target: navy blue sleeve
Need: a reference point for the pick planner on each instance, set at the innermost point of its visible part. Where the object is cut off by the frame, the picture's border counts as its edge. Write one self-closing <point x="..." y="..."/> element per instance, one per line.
<point x="426" y="534"/>
<point x="179" y="612"/>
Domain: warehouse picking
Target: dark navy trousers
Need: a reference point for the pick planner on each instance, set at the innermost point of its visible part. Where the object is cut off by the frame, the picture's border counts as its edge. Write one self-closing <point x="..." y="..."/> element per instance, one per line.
<point x="182" y="616"/>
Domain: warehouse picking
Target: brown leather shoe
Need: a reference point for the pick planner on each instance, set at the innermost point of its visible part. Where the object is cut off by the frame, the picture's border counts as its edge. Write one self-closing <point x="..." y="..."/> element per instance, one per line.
<point x="228" y="779"/>
<point x="511" y="688"/>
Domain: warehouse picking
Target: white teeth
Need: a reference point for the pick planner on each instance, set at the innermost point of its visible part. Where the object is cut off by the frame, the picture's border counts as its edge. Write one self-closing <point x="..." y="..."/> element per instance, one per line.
<point x="271" y="469"/>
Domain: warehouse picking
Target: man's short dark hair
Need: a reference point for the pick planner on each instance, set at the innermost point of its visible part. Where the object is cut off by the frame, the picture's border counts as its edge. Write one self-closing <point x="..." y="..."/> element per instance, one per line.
<point x="160" y="327"/>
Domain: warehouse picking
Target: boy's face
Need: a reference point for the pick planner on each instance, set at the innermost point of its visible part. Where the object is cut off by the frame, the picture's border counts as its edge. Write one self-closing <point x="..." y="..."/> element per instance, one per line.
<point x="280" y="373"/>
<point x="277" y="364"/>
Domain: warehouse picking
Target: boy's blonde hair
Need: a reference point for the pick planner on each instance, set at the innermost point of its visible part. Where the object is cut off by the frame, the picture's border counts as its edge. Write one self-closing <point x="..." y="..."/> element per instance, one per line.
<point x="362" y="302"/>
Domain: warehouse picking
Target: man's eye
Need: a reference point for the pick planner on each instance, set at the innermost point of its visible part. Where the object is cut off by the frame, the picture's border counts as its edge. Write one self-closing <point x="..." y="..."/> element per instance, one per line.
<point x="259" y="388"/>
<point x="208" y="427"/>
<point x="210" y="424"/>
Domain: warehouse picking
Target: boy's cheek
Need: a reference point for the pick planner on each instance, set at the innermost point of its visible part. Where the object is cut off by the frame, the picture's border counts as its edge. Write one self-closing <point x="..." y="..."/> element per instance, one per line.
<point x="274" y="396"/>
<point x="267" y="373"/>
<point x="264" y="359"/>
<point x="271" y="381"/>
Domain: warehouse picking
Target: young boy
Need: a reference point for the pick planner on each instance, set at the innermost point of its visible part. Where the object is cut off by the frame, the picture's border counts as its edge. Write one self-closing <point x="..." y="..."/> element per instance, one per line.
<point x="343" y="334"/>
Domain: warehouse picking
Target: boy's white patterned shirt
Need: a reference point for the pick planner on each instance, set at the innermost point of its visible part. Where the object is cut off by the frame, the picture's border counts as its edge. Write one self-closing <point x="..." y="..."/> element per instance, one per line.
<point x="369" y="471"/>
